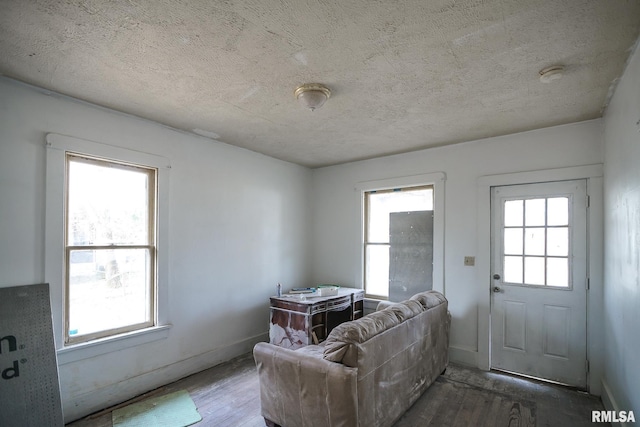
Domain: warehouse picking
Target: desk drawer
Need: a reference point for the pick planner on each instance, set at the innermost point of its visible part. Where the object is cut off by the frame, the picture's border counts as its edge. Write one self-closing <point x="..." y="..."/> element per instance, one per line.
<point x="339" y="303"/>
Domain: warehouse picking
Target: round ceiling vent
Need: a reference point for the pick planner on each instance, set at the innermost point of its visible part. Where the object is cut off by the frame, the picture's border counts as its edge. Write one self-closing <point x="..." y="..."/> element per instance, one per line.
<point x="552" y="73"/>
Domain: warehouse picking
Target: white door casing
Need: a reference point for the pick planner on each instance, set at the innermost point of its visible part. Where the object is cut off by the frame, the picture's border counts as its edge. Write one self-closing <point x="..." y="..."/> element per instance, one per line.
<point x="539" y="264"/>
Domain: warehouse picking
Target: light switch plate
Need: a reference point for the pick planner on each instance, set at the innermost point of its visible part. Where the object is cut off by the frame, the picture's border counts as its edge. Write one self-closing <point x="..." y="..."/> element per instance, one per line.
<point x="470" y="261"/>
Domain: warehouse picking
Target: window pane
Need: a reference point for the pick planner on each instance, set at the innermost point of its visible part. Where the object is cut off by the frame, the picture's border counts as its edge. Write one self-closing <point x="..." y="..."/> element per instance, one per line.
<point x="401" y="221"/>
<point x="534" y="212"/>
<point x="383" y="203"/>
<point x="534" y="241"/>
<point x="108" y="289"/>
<point x="377" y="270"/>
<point x="513" y="213"/>
<point x="558" y="211"/>
<point x="534" y="270"/>
<point x="107" y="205"/>
<point x="513" y="269"/>
<point x="558" y="241"/>
<point x="558" y="272"/>
<point x="513" y="241"/>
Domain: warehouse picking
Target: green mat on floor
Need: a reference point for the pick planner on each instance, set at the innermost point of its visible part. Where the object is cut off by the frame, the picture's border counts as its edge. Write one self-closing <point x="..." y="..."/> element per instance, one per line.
<point x="171" y="410"/>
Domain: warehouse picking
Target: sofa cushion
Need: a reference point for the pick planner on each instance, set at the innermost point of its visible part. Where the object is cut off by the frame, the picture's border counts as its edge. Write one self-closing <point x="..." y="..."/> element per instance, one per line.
<point x="406" y="309"/>
<point x="340" y="344"/>
<point x="343" y="335"/>
<point x="384" y="304"/>
<point x="429" y="299"/>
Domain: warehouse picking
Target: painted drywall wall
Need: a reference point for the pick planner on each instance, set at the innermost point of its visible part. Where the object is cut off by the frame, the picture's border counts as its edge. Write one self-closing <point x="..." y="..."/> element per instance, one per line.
<point x="622" y="243"/>
<point x="238" y="224"/>
<point x="336" y="250"/>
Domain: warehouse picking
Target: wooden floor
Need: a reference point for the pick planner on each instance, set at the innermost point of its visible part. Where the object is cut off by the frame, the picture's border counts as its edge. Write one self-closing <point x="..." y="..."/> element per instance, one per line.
<point x="227" y="395"/>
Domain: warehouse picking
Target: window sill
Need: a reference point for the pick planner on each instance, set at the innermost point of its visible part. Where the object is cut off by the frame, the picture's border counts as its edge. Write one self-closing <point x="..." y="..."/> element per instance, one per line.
<point x="98" y="347"/>
<point x="371" y="304"/>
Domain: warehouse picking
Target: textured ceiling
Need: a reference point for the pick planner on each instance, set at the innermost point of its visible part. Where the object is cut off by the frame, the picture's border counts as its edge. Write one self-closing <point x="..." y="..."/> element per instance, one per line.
<point x="404" y="75"/>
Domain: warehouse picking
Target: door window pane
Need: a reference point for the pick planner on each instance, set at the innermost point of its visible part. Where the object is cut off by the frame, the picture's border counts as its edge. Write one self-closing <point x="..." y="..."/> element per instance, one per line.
<point x="558" y="241"/>
<point x="534" y="212"/>
<point x="534" y="241"/>
<point x="513" y="213"/>
<point x="558" y="211"/>
<point x="534" y="270"/>
<point x="513" y="241"/>
<point x="558" y="272"/>
<point x="513" y="269"/>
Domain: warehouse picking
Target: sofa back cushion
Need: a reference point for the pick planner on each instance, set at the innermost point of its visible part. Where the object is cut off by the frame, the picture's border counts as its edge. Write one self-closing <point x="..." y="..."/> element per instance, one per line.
<point x="342" y="343"/>
<point x="429" y="299"/>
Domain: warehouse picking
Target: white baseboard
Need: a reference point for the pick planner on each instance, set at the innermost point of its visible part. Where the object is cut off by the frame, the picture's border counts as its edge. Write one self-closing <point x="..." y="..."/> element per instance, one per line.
<point x="463" y="356"/>
<point x="608" y="400"/>
<point x="610" y="404"/>
<point x="101" y="398"/>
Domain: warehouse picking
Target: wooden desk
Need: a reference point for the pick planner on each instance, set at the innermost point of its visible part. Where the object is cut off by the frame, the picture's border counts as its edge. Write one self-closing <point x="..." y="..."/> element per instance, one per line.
<point x="300" y="320"/>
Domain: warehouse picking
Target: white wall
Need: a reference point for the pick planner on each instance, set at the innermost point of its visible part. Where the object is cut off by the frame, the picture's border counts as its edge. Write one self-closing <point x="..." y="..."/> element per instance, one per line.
<point x="336" y="209"/>
<point x="238" y="224"/>
<point x="622" y="243"/>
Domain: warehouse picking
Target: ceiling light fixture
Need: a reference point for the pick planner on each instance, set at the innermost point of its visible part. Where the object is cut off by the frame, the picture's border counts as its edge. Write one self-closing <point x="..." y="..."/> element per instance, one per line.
<point x="552" y="73"/>
<point x="312" y="95"/>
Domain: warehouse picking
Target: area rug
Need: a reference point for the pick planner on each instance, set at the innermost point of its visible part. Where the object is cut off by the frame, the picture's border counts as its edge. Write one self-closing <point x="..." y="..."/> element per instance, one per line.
<point x="454" y="404"/>
<point x="171" y="410"/>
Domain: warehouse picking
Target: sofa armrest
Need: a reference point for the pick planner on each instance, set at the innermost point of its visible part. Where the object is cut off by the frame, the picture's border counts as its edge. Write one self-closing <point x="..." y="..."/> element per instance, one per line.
<point x="298" y="389"/>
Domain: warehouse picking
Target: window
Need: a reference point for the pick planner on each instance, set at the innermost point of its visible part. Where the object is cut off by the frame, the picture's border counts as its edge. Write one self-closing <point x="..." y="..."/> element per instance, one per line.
<point x="110" y="247"/>
<point x="398" y="242"/>
<point x="79" y="248"/>
<point x="536" y="241"/>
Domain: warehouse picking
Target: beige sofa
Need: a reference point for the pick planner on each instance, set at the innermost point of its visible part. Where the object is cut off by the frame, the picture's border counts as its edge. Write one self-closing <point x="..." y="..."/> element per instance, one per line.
<point x="368" y="372"/>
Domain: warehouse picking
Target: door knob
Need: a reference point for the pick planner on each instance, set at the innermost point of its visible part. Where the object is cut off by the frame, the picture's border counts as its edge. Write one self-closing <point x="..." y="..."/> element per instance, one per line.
<point x="496" y="289"/>
<point x="496" y="276"/>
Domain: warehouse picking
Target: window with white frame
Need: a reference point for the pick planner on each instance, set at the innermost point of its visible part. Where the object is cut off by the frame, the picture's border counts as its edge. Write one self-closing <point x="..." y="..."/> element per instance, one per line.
<point x="110" y="247"/>
<point x="398" y="241"/>
<point x="106" y="246"/>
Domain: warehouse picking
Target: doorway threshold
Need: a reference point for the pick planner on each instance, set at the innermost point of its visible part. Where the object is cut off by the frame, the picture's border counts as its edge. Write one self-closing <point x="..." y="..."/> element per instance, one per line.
<point x="541" y="380"/>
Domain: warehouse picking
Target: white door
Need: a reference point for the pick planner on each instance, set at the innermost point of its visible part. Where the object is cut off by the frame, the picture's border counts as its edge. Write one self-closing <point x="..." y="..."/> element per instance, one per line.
<point x="539" y="261"/>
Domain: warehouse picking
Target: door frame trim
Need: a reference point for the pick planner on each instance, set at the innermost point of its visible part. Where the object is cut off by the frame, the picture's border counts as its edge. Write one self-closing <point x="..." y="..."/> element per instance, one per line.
<point x="595" y="331"/>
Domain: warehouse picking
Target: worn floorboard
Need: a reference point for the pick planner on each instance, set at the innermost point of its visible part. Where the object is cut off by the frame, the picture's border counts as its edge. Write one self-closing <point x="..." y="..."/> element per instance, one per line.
<point x="227" y="395"/>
